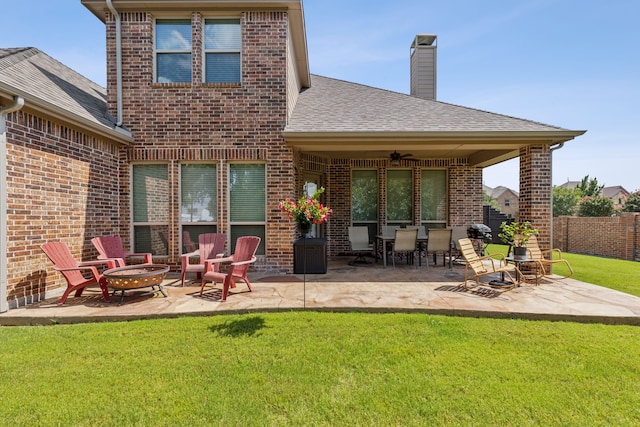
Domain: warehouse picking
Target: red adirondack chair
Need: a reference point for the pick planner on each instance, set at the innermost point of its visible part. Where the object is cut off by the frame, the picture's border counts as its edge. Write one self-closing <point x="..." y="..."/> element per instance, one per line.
<point x="243" y="256"/>
<point x="65" y="263"/>
<point x="211" y="246"/>
<point x="110" y="247"/>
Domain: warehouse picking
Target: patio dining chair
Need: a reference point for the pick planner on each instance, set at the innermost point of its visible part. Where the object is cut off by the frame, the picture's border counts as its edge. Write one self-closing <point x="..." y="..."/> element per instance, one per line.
<point x="479" y="266"/>
<point x="72" y="270"/>
<point x="110" y="247"/>
<point x="404" y="243"/>
<point x="360" y="245"/>
<point x="211" y="245"/>
<point x="237" y="268"/>
<point x="439" y="240"/>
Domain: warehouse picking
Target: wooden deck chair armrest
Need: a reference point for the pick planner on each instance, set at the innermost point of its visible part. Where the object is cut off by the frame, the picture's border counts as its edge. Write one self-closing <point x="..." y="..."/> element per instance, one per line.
<point x="209" y="262"/>
<point x="148" y="257"/>
<point x="184" y="258"/>
<point x="90" y="268"/>
<point x="109" y="262"/>
<point x="549" y="253"/>
<point x="249" y="261"/>
<point x="190" y="254"/>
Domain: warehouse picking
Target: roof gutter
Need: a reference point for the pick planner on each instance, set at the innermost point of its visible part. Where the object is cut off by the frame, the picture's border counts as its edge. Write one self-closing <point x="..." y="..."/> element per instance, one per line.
<point x="18" y="103"/>
<point x="119" y="120"/>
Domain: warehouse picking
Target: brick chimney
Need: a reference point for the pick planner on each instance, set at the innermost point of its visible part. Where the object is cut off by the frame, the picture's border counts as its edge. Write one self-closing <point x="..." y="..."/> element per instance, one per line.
<point x="423" y="66"/>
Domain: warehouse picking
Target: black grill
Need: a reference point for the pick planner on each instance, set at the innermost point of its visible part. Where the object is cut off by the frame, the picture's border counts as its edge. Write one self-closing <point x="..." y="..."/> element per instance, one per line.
<point x="480" y="232"/>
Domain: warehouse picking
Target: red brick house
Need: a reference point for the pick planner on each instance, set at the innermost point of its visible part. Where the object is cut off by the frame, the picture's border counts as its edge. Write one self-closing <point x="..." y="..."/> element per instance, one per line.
<point x="210" y="118"/>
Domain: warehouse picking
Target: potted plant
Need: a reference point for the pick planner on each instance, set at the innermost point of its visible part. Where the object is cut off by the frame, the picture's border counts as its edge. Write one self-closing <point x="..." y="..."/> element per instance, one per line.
<point x="306" y="211"/>
<point x="517" y="234"/>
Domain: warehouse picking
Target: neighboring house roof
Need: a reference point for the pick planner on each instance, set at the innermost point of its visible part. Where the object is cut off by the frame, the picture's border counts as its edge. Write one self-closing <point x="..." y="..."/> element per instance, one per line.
<point x="498" y="191"/>
<point x="614" y="191"/>
<point x="607" y="192"/>
<point x="56" y="90"/>
<point x="338" y="116"/>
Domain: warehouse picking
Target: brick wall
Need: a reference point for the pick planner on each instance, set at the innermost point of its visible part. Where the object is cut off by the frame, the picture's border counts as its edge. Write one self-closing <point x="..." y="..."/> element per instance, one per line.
<point x="59" y="187"/>
<point x="613" y="237"/>
<point x="535" y="190"/>
<point x="204" y="122"/>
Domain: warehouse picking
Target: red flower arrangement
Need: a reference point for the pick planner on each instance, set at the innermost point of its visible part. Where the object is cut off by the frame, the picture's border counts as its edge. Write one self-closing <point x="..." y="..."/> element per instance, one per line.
<point x="307" y="210"/>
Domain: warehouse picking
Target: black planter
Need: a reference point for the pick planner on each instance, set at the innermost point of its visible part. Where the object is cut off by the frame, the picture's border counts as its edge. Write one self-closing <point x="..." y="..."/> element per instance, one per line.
<point x="519" y="252"/>
<point x="310" y="256"/>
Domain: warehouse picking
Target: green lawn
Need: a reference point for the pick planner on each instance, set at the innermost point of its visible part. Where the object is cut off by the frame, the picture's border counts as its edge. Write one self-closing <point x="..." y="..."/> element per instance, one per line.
<point x="610" y="273"/>
<point x="321" y="369"/>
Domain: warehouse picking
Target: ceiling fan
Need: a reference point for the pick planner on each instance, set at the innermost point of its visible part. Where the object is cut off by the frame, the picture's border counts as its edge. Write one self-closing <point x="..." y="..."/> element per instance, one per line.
<point x="395" y="157"/>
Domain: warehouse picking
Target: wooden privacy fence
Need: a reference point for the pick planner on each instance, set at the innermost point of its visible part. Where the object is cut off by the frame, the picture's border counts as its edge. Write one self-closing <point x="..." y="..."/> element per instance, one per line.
<point x="612" y="237"/>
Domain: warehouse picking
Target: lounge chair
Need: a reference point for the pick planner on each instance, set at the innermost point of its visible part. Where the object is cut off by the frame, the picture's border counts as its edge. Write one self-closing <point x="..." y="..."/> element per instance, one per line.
<point x="71" y="270"/>
<point x="110" y="247"/>
<point x="477" y="266"/>
<point x="544" y="259"/>
<point x="211" y="245"/>
<point x="237" y="268"/>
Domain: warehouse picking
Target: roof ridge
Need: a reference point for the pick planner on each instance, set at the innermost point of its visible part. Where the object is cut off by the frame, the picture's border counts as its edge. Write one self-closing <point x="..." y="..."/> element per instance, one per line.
<point x="440" y="102"/>
<point x="12" y="56"/>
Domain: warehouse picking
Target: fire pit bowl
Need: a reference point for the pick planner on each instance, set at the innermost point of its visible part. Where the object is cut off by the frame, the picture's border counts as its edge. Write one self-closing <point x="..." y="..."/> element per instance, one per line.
<point x="135" y="277"/>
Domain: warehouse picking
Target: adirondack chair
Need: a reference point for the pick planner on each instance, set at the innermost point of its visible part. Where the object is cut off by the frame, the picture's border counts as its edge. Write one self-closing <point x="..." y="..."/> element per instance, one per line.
<point x="110" y="247"/>
<point x="238" y="267"/>
<point x="211" y="246"/>
<point x="71" y="270"/>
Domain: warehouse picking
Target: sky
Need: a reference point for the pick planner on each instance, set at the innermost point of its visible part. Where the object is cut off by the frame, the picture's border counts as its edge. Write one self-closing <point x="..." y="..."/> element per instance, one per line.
<point x="568" y="63"/>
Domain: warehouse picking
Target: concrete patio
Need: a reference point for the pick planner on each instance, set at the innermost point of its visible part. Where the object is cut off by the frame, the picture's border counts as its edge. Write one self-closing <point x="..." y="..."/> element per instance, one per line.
<point x="367" y="288"/>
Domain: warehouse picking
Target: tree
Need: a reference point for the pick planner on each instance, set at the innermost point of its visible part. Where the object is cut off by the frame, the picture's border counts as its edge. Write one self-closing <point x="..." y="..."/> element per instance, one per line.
<point x="487" y="200"/>
<point x="565" y="200"/>
<point x="590" y="187"/>
<point x="632" y="204"/>
<point x="595" y="206"/>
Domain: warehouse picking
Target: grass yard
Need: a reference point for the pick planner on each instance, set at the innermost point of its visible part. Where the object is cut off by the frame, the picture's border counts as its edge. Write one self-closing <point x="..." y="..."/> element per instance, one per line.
<point x="309" y="368"/>
<point x="620" y="275"/>
<point x="321" y="369"/>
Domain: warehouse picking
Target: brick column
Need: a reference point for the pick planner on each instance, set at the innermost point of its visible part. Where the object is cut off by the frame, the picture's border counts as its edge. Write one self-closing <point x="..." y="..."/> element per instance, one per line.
<point x="535" y="190"/>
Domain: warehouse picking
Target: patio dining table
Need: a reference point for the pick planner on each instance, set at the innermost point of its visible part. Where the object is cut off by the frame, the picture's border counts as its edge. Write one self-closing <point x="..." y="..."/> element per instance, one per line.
<point x="383" y="239"/>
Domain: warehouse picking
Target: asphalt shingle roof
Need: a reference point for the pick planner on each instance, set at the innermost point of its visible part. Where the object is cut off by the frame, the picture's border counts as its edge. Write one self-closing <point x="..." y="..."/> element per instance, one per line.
<point x="41" y="79"/>
<point x="332" y="105"/>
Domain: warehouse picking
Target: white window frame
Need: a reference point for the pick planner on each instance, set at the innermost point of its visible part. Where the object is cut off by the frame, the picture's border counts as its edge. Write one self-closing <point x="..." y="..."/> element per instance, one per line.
<point x="206" y="51"/>
<point x="134" y="223"/>
<point x="232" y="223"/>
<point x="213" y="224"/>
<point x="436" y="223"/>
<point x="157" y="51"/>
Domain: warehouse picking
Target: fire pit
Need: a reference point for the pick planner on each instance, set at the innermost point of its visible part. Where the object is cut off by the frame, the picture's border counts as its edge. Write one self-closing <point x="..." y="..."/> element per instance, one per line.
<point x="135" y="277"/>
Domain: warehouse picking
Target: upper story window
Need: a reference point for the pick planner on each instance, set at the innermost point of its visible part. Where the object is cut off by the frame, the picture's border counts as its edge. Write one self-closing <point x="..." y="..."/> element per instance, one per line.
<point x="173" y="51"/>
<point x="222" y="42"/>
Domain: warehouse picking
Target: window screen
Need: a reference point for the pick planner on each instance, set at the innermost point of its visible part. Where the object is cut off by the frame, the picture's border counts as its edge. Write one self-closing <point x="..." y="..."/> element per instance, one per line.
<point x="222" y="50"/>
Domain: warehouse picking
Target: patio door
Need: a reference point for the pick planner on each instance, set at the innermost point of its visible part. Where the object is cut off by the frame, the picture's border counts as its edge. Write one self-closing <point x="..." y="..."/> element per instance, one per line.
<point x="312" y="182"/>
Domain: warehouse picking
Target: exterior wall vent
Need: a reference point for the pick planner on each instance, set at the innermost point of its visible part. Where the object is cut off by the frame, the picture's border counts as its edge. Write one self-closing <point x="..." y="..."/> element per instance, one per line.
<point x="423" y="66"/>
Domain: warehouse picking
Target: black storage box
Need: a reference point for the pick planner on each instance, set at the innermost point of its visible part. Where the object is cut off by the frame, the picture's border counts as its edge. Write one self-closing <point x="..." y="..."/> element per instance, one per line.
<point x="311" y="253"/>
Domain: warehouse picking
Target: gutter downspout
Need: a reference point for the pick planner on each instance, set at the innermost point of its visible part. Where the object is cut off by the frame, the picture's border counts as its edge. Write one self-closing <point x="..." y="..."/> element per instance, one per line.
<point x="113" y="10"/>
<point x="551" y="150"/>
<point x="18" y="103"/>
